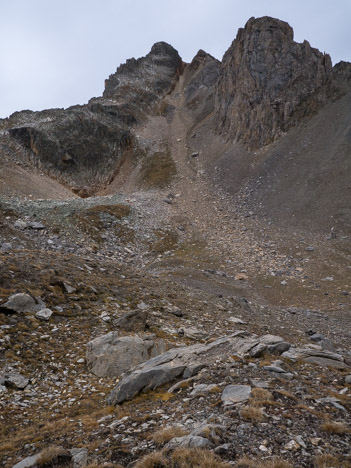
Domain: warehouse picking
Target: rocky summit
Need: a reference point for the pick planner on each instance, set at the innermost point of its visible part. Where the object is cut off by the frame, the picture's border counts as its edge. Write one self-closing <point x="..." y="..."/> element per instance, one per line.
<point x="175" y="265"/>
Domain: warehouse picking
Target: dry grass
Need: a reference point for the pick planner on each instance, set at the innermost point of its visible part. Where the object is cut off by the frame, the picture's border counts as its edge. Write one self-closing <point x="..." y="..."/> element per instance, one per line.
<point x="191" y="458"/>
<point x="286" y="394"/>
<point x="276" y="462"/>
<point x="251" y="413"/>
<point x="153" y="460"/>
<point x="330" y="461"/>
<point x="53" y="455"/>
<point x="182" y="458"/>
<point x="158" y="170"/>
<point x="261" y="394"/>
<point x="164" y="435"/>
<point x="106" y="465"/>
<point x="335" y="427"/>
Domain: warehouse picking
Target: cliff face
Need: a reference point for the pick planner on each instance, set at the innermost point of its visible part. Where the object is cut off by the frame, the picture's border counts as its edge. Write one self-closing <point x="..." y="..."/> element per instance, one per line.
<point x="268" y="83"/>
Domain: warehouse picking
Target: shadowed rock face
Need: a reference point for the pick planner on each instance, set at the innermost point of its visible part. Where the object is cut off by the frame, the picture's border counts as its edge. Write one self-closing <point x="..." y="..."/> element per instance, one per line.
<point x="201" y="77"/>
<point x="84" y="146"/>
<point x="139" y="83"/>
<point x="268" y="83"/>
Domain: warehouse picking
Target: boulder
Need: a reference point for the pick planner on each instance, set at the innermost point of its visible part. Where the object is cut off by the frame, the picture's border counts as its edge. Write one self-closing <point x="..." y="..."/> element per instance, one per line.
<point x="15" y="380"/>
<point x="44" y="314"/>
<point x="316" y="355"/>
<point x="233" y="394"/>
<point x="183" y="362"/>
<point x="133" y="321"/>
<point x="21" y="303"/>
<point x="110" y="355"/>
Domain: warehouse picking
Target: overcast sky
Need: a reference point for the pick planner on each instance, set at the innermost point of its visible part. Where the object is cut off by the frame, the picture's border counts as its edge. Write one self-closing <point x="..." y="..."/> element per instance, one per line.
<point x="56" y="53"/>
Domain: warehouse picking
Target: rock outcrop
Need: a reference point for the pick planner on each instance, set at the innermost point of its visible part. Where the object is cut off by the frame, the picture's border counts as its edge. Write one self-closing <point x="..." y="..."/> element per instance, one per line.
<point x="189" y="360"/>
<point x="84" y="147"/>
<point x="268" y="83"/>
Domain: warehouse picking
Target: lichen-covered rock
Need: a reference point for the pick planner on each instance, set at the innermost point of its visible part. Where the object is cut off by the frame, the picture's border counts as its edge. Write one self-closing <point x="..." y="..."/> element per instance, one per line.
<point x="110" y="355"/>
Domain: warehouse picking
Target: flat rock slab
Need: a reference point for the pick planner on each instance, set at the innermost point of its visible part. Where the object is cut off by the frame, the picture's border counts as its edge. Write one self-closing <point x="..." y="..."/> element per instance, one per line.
<point x="185" y="362"/>
<point x="233" y="394"/>
<point x="22" y="303"/>
<point x="317" y="355"/>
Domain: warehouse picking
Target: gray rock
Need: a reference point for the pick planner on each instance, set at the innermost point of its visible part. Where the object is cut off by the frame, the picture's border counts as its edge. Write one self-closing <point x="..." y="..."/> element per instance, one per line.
<point x="202" y="389"/>
<point x="136" y="320"/>
<point x="182" y="362"/>
<point x="2" y="388"/>
<point x="316" y="355"/>
<point x="212" y="432"/>
<point x="29" y="462"/>
<point x="68" y="288"/>
<point x="276" y="369"/>
<point x="32" y="462"/>
<point x="233" y="394"/>
<point x="348" y="379"/>
<point x="6" y="246"/>
<point x="79" y="457"/>
<point x="188" y="441"/>
<point x="21" y="303"/>
<point x="16" y="380"/>
<point x="44" y="314"/>
<point x="236" y="320"/>
<point x="110" y="355"/>
<point x="174" y="310"/>
<point x="194" y="154"/>
<point x="36" y="225"/>
<point x="192" y="333"/>
<point x="222" y="449"/>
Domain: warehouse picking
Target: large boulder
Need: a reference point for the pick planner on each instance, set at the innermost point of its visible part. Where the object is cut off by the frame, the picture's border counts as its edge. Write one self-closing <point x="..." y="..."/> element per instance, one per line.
<point x="110" y="355"/>
<point x="185" y="362"/>
<point x="22" y="303"/>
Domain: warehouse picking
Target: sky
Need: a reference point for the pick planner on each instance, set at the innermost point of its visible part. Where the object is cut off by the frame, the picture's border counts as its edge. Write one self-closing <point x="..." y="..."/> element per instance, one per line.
<point x="57" y="53"/>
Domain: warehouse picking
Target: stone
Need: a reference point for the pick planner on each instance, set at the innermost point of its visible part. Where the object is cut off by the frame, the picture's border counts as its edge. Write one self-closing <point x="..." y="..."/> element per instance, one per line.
<point x="236" y="320"/>
<point x="188" y="441"/>
<point x="202" y="389"/>
<point x="194" y="154"/>
<point x="63" y="458"/>
<point x="29" y="462"/>
<point x="110" y="355"/>
<point x="316" y="355"/>
<point x="348" y="379"/>
<point x="44" y="314"/>
<point x="79" y="457"/>
<point x="292" y="445"/>
<point x="68" y="288"/>
<point x="174" y="310"/>
<point x="192" y="333"/>
<point x="21" y="303"/>
<point x="5" y="247"/>
<point x="183" y="363"/>
<point x="133" y="321"/>
<point x="16" y="380"/>
<point x="234" y="394"/>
